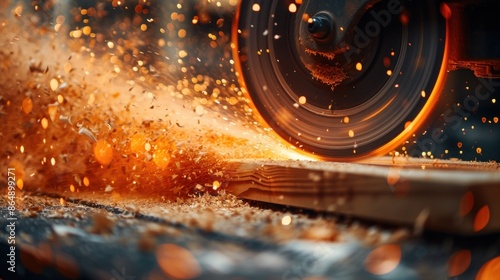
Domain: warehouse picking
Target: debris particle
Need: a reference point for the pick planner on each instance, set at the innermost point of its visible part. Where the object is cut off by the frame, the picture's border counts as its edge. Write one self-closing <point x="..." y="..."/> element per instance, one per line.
<point x="84" y="131"/>
<point x="102" y="224"/>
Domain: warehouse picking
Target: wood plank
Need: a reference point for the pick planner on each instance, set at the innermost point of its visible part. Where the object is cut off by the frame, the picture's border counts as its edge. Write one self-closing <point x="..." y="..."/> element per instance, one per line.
<point x="448" y="196"/>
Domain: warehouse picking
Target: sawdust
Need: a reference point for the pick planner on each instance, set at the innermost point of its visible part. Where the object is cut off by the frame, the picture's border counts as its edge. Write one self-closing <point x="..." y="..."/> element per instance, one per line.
<point x="320" y="64"/>
<point x="71" y="107"/>
<point x="221" y="213"/>
<point x="328" y="74"/>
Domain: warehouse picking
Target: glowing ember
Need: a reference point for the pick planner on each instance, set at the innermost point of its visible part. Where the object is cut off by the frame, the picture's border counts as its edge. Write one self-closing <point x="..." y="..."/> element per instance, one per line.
<point x="302" y="100"/>
<point x="459" y="263"/>
<point x="466" y="203"/>
<point x="45" y="123"/>
<point x="147" y="147"/>
<point x="20" y="184"/>
<point x="215" y="185"/>
<point x="359" y="66"/>
<point x="177" y="262"/>
<point x="393" y="176"/>
<point x="383" y="259"/>
<point x="286" y="220"/>
<point x="482" y="218"/>
<point x="138" y="143"/>
<point x="161" y="158"/>
<point x="27" y="105"/>
<point x="86" y="182"/>
<point x="103" y="152"/>
<point x="490" y="270"/>
<point x="52" y="110"/>
<point x="54" y="84"/>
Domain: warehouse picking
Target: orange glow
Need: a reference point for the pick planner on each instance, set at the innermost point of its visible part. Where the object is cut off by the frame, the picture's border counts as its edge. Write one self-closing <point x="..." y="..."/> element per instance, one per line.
<point x="103" y="152"/>
<point x="52" y="111"/>
<point x="445" y="11"/>
<point x="36" y="259"/>
<point x="27" y="105"/>
<point x="137" y="143"/>
<point x="466" y="204"/>
<point x="20" y="184"/>
<point x="393" y="176"/>
<point x="67" y="266"/>
<point x="380" y="110"/>
<point x="404" y="18"/>
<point x="177" y="262"/>
<point x="86" y="181"/>
<point x="383" y="259"/>
<point x="402" y="188"/>
<point x="482" y="218"/>
<point x="459" y="263"/>
<point x="490" y="270"/>
<point x="45" y="123"/>
<point x="161" y="158"/>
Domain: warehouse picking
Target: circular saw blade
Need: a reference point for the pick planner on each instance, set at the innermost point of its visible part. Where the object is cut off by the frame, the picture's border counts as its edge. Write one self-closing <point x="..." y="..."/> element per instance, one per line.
<point x="354" y="105"/>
